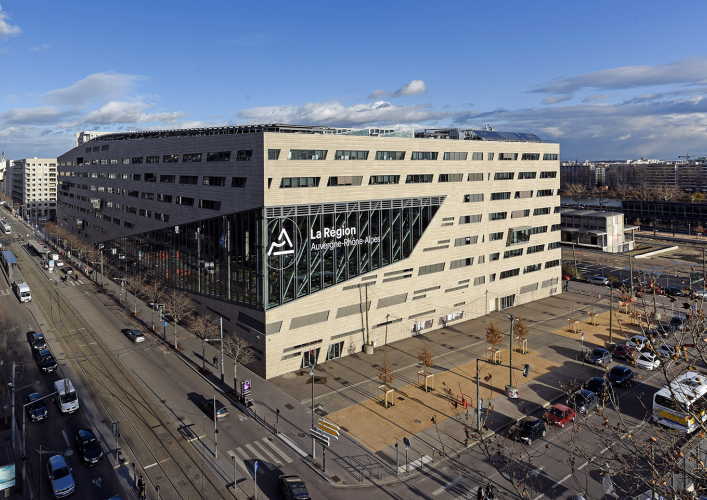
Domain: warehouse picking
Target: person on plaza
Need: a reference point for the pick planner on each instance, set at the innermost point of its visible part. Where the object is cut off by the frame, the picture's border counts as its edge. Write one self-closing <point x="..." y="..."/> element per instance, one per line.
<point x="141" y="487"/>
<point x="215" y="361"/>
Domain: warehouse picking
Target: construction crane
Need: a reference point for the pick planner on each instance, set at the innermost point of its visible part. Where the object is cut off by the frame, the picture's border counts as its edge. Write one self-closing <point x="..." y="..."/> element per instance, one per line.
<point x="687" y="157"/>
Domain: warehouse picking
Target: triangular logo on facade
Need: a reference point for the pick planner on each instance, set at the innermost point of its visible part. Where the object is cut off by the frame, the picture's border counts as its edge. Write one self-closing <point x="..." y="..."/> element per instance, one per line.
<point x="283" y="239"/>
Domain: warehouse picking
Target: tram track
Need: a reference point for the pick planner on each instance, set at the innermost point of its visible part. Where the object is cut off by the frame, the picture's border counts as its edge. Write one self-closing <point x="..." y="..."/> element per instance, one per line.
<point x="172" y="464"/>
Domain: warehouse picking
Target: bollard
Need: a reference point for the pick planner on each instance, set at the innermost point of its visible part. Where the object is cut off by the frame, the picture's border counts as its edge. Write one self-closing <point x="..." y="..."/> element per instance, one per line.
<point x="444" y="454"/>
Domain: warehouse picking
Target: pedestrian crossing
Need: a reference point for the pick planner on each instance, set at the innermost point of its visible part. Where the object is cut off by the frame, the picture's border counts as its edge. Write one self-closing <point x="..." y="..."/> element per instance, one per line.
<point x="265" y="451"/>
<point x="74" y="282"/>
<point x="7" y="291"/>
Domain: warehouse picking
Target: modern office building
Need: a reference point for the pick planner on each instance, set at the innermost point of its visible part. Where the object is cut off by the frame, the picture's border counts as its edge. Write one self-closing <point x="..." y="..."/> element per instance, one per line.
<point x="311" y="241"/>
<point x="32" y="185"/>
<point x="600" y="230"/>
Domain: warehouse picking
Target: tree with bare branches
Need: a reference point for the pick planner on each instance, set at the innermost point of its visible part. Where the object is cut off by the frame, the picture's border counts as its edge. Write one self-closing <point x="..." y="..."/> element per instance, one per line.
<point x="493" y="335"/>
<point x="240" y="351"/>
<point x="576" y="192"/>
<point x="666" y="193"/>
<point x="205" y="327"/>
<point x="180" y="306"/>
<point x="136" y="283"/>
<point x="155" y="292"/>
<point x="426" y="359"/>
<point x="643" y="192"/>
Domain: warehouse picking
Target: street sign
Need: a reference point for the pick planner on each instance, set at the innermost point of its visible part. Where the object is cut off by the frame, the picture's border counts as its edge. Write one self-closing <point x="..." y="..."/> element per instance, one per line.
<point x="695" y="277"/>
<point x="406" y="441"/>
<point x="164" y="324"/>
<point x="322" y="439"/>
<point x="256" y="466"/>
<point x="329" y="428"/>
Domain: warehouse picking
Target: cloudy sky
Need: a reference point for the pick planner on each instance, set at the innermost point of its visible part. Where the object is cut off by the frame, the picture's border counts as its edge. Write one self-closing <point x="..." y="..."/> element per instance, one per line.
<point x="610" y="80"/>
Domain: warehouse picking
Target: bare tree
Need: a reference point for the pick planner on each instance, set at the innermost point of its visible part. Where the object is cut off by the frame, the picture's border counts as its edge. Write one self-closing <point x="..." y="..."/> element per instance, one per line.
<point x="494" y="335"/>
<point x="624" y="192"/>
<point x="241" y="352"/>
<point x="521" y="328"/>
<point x="136" y="283"/>
<point x="180" y="307"/>
<point x="205" y="328"/>
<point x="601" y="195"/>
<point x="425" y="357"/>
<point x="644" y="192"/>
<point x="155" y="292"/>
<point x="666" y="193"/>
<point x="576" y="192"/>
<point x="385" y="374"/>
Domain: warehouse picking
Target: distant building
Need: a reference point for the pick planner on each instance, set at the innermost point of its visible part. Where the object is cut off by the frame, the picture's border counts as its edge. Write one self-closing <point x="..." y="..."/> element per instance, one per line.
<point x="603" y="231"/>
<point x="84" y="137"/>
<point x="585" y="174"/>
<point x="31" y="183"/>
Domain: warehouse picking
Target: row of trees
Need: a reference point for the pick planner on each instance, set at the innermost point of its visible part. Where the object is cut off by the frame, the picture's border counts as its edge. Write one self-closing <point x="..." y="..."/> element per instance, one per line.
<point x="579" y="192"/>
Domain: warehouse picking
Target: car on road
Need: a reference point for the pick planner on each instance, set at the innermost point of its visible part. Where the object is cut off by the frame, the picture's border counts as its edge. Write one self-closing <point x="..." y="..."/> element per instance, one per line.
<point x="674" y="291"/>
<point x="623" y="351"/>
<point x="700" y="293"/>
<point x="559" y="415"/>
<point x="135" y="335"/>
<point x="583" y="401"/>
<point x="665" y="350"/>
<point x="566" y="277"/>
<point x="678" y="322"/>
<point x="638" y="342"/>
<point x="45" y="360"/>
<point x="88" y="447"/>
<point x="293" y="488"/>
<point x="526" y="429"/>
<point x="59" y="263"/>
<point x="647" y="361"/>
<point x="598" y="356"/>
<point x="59" y="475"/>
<point x="620" y="284"/>
<point x="207" y="406"/>
<point x="599" y="280"/>
<point x="37" y="410"/>
<point x="661" y="330"/>
<point x="598" y="385"/>
<point x="68" y="270"/>
<point x="621" y="376"/>
<point x="38" y="341"/>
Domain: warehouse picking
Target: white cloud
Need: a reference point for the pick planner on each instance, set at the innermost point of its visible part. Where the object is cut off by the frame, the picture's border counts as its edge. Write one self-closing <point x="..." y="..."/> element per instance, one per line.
<point x="623" y="137"/>
<point x="415" y="87"/>
<point x="557" y="98"/>
<point x="7" y="30"/>
<point x="115" y="112"/>
<point x="35" y="116"/>
<point x="596" y="98"/>
<point x="95" y="86"/>
<point x="44" y="46"/>
<point x="336" y="114"/>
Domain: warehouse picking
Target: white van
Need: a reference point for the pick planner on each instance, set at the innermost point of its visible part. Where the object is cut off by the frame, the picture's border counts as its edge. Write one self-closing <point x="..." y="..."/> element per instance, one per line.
<point x="66" y="397"/>
<point x="23" y="293"/>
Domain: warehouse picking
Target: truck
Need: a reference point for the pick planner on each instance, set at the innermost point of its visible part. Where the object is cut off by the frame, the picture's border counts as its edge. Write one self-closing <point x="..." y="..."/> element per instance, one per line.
<point x="65" y="396"/>
<point x="23" y="292"/>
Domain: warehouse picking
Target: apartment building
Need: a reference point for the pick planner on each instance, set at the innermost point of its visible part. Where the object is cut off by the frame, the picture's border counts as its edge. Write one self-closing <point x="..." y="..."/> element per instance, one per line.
<point x="32" y="185"/>
<point x="313" y="241"/>
<point x="599" y="230"/>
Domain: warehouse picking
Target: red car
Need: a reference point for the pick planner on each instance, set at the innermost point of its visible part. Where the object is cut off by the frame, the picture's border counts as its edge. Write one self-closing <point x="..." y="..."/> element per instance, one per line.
<point x="623" y="351"/>
<point x="559" y="415"/>
<point x="566" y="277"/>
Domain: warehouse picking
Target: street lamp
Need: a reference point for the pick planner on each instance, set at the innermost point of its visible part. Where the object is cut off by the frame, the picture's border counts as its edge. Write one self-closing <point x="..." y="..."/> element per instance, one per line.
<point x="510" y="386"/>
<point x="314" y="449"/>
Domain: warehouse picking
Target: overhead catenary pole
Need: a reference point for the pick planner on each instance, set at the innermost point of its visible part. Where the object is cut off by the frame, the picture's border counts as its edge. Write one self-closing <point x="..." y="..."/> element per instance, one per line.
<point x="222" y="368"/>
<point x="574" y="256"/>
<point x="630" y="265"/>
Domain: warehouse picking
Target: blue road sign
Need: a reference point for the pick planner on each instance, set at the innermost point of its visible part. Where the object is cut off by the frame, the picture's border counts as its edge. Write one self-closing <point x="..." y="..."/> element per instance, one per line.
<point x="256" y="466"/>
<point x="164" y="324"/>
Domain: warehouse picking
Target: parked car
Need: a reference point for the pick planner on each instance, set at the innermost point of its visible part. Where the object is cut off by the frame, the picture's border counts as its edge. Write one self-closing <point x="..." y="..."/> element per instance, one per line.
<point x="59" y="475"/>
<point x="583" y="401"/>
<point x="38" y="341"/>
<point x="68" y="269"/>
<point x="135" y="335"/>
<point x="598" y="356"/>
<point x="37" y="411"/>
<point x="598" y="385"/>
<point x="45" y="360"/>
<point x="638" y="342"/>
<point x="647" y="361"/>
<point x="678" y="322"/>
<point x="700" y="293"/>
<point x="293" y="488"/>
<point x="623" y="351"/>
<point x="59" y="263"/>
<point x="566" y="277"/>
<point x="526" y="429"/>
<point x="674" y="291"/>
<point x="207" y="406"/>
<point x="620" y="284"/>
<point x="599" y="280"/>
<point x="621" y="376"/>
<point x="665" y="350"/>
<point x="559" y="415"/>
<point x="88" y="447"/>
<point x="661" y="330"/>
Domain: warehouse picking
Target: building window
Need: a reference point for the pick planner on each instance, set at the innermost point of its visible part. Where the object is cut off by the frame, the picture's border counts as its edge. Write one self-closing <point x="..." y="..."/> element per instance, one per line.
<point x="170" y="158"/>
<point x="530" y="156"/>
<point x="96" y="149"/>
<point x="550" y="156"/>
<point x="455" y="156"/>
<point x="213" y="181"/>
<point x="419" y="178"/>
<point x="150" y="177"/>
<point x="134" y="194"/>
<point x="517" y="252"/>
<point x="535" y="249"/>
<point x="526" y="175"/>
<point x="523" y="194"/>
<point x="152" y="159"/>
<point x="510" y="273"/>
<point x="390" y="155"/>
<point x="129" y="225"/>
<point x="548" y="175"/>
<point x="136" y="160"/>
<point x="466" y="240"/>
<point x="105" y="147"/>
<point x="167" y="178"/>
<point x="475" y="177"/>
<point x="538" y="230"/>
<point x="455" y="264"/>
<point x="244" y="155"/>
<point x="555" y="227"/>
<point x="494" y="256"/>
<point x="470" y="219"/>
<point x="167" y="198"/>
<point x="135" y="177"/>
<point x="432" y="268"/>
<point x="479" y="280"/>
<point x="88" y="150"/>
<point x="519" y="214"/>
<point x="307" y="154"/>
<point x="552" y="263"/>
<point x="541" y="211"/>
<point x="553" y="245"/>
<point x="501" y="196"/>
<point x="350" y="155"/>
<point x="424" y="155"/>
<point x="544" y="192"/>
<point x="471" y="198"/>
<point x="189" y="179"/>
<point x="238" y="182"/>
<point x="496" y="236"/>
<point x="183" y="200"/>
<point x="145" y="213"/>
<point x="162" y="217"/>
<point x="384" y="179"/>
<point x="507" y="156"/>
<point x="503" y="176"/>
<point x="299" y="182"/>
<point x="345" y="180"/>
<point x="191" y="158"/>
<point x="518" y="236"/>
<point x="210" y="204"/>
<point x="104" y="161"/>
<point x="273" y="154"/>
<point x="498" y="215"/>
<point x="147" y="196"/>
<point x="450" y="177"/>
<point x="126" y="161"/>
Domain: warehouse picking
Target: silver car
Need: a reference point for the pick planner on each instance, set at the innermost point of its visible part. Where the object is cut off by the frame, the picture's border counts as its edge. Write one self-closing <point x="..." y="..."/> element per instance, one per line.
<point x="135" y="335"/>
<point x="59" y="475"/>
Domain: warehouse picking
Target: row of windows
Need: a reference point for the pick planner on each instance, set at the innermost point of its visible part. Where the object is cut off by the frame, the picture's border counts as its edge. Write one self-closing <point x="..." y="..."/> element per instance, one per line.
<point x="241" y="155"/>
<point x="508" y="176"/>
<point x="171" y="179"/>
<point x="387" y="179"/>
<point x="321" y="154"/>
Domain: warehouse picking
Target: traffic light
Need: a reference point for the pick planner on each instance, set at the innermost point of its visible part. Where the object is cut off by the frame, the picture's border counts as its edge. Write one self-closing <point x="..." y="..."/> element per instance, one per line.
<point x="526" y="370"/>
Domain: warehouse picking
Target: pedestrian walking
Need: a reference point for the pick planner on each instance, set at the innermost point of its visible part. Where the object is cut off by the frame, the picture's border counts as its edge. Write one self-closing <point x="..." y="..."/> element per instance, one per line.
<point x="215" y="361"/>
<point x="141" y="489"/>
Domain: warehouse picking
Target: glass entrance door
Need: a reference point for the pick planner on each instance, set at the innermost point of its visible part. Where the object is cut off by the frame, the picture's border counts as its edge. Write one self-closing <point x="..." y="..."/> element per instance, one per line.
<point x="309" y="358"/>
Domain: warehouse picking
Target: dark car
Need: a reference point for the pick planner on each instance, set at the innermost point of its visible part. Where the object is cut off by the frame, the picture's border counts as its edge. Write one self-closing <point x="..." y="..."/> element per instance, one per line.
<point x="526" y="429"/>
<point x="37" y="341"/>
<point x="88" y="447"/>
<point x="598" y="356"/>
<point x="45" y="360"/>
<point x="598" y="385"/>
<point x="293" y="488"/>
<point x="621" y="376"/>
<point x="622" y="284"/>
<point x="583" y="401"/>
<point x="674" y="291"/>
<point x="678" y="323"/>
<point x="68" y="270"/>
<point x="623" y="351"/>
<point x="37" y="411"/>
<point x="207" y="406"/>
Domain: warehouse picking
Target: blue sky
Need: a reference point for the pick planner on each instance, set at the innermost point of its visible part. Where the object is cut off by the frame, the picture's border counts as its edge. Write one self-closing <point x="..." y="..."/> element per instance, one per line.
<point x="605" y="79"/>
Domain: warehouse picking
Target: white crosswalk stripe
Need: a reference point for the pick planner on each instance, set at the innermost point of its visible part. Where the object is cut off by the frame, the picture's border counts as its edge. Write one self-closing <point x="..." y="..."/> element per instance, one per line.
<point x="246" y="457"/>
<point x="259" y="457"/>
<point x="268" y="454"/>
<point x="238" y="461"/>
<point x="277" y="450"/>
<point x="5" y="292"/>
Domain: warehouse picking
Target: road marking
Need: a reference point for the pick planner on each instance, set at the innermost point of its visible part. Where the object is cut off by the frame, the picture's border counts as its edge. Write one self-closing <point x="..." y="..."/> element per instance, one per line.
<point x="278" y="450"/>
<point x="97" y="482"/>
<point x="259" y="457"/>
<point x="68" y="444"/>
<point x="558" y="483"/>
<point x="272" y="457"/>
<point x="245" y="457"/>
<point x="583" y="466"/>
<point x="239" y="462"/>
<point x="415" y="463"/>
<point x="447" y="486"/>
<point x="148" y="466"/>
